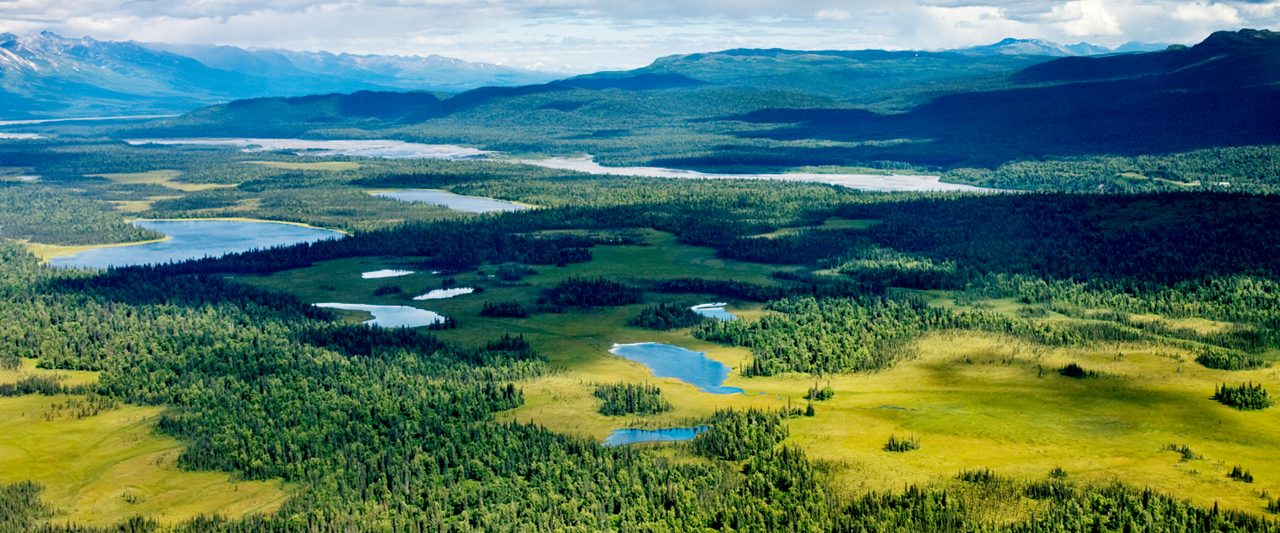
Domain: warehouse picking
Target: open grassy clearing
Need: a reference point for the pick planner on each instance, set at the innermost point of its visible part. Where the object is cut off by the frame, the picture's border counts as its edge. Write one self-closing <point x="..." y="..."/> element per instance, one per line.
<point x="322" y="165"/>
<point x="28" y="367"/>
<point x="985" y="401"/>
<point x="1201" y="326"/>
<point x="163" y="178"/>
<point x="1142" y="177"/>
<point x="111" y="464"/>
<point x="831" y="223"/>
<point x="139" y="206"/>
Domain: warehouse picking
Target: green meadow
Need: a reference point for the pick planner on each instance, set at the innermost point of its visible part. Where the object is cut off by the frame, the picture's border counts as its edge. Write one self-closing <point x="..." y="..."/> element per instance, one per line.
<point x="101" y="464"/>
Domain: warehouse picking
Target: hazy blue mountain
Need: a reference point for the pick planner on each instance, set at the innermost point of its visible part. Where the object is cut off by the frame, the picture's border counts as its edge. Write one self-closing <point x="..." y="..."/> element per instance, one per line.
<point x="50" y="75"/>
<point x="47" y="75"/>
<point x="1138" y="47"/>
<point x="1034" y="47"/>
<point x="418" y="73"/>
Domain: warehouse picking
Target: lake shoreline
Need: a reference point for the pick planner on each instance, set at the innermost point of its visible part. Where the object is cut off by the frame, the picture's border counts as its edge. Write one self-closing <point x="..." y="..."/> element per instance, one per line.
<point x="48" y="252"/>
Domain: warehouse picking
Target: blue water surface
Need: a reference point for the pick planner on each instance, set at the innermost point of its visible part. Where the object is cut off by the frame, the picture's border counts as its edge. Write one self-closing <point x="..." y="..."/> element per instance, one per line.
<point x="623" y="437"/>
<point x="194" y="239"/>
<point x="668" y="361"/>
<point x="714" y="310"/>
<point x="390" y="316"/>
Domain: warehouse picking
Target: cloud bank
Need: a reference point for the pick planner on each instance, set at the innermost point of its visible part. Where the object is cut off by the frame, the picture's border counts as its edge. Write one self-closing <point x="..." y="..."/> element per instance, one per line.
<point x="583" y="35"/>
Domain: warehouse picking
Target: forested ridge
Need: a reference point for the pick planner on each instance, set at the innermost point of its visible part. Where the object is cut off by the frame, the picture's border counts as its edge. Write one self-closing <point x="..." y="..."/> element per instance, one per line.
<point x="47" y="215"/>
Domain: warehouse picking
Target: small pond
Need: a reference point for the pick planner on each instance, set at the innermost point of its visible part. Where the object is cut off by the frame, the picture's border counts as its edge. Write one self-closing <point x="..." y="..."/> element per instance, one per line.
<point x="391" y="316"/>
<point x="444" y="294"/>
<point x="386" y="273"/>
<point x="668" y="361"/>
<point x="623" y="437"/>
<point x="194" y="239"/>
<point x="714" y="310"/>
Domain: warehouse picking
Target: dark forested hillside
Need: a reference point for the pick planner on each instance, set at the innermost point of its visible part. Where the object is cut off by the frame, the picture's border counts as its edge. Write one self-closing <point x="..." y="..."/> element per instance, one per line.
<point x="1218" y="93"/>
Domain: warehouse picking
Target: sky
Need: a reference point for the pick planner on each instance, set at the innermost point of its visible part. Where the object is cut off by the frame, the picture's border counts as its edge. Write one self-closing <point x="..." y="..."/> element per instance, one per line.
<point x="591" y="35"/>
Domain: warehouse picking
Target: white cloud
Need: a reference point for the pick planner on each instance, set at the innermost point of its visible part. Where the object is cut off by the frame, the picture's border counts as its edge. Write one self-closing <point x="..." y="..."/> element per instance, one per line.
<point x="832" y="14"/>
<point x="1211" y="13"/>
<point x="1085" y="18"/>
<point x="597" y="34"/>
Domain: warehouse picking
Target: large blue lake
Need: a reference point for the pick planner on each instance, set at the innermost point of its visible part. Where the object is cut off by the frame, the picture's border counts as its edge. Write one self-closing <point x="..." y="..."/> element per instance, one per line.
<point x="193" y="239"/>
<point x="623" y="437"/>
<point x="668" y="361"/>
<point x="457" y="202"/>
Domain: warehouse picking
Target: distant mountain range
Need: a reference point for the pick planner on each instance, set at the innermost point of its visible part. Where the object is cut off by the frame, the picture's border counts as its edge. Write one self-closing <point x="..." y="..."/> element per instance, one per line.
<point x="309" y="71"/>
<point x="1037" y="47"/>
<point x="48" y="75"/>
<point x="785" y="108"/>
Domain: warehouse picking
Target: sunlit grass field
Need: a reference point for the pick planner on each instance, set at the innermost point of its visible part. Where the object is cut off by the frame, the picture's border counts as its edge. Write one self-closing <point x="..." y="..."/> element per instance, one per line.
<point x="104" y="467"/>
<point x="163" y="178"/>
<point x="319" y="165"/>
<point x="46" y="252"/>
